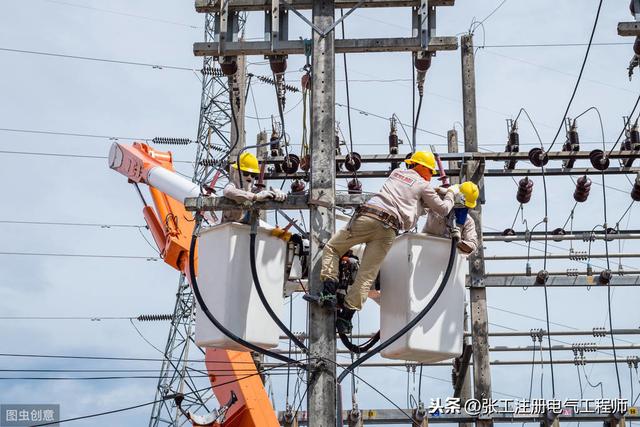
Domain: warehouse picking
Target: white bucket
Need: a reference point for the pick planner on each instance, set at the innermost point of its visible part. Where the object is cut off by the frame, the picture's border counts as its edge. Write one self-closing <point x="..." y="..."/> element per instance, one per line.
<point x="226" y="285"/>
<point x="409" y="276"/>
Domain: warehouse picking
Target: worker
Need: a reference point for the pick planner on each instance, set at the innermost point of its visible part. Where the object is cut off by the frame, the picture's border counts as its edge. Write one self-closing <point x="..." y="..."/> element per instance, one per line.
<point x="458" y="223"/>
<point x="241" y="188"/>
<point x="396" y="207"/>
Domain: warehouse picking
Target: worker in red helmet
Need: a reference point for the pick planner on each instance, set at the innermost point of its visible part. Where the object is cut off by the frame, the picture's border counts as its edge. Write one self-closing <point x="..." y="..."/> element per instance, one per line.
<point x="396" y="207"/>
<point x="458" y="223"/>
<point x="241" y="188"/>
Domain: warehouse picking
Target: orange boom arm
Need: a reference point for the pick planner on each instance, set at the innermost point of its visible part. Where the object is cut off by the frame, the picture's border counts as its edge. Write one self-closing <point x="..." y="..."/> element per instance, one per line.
<point x="172" y="226"/>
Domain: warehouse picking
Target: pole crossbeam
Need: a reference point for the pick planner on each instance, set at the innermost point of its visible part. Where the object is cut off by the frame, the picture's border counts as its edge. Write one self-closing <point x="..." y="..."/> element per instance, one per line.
<point x="207" y="6"/>
<point x="502" y="415"/>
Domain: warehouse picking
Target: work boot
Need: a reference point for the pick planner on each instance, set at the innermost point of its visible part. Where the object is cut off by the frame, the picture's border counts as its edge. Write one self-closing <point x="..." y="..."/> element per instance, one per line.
<point x="343" y="321"/>
<point x="327" y="297"/>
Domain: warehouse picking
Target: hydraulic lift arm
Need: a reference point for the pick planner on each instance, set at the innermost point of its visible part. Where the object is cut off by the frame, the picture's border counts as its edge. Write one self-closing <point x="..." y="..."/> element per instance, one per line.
<point x="172" y="226"/>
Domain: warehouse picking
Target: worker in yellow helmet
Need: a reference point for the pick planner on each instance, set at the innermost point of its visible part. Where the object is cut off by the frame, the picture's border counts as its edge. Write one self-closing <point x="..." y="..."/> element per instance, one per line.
<point x="396" y="207"/>
<point x="458" y="222"/>
<point x="241" y="187"/>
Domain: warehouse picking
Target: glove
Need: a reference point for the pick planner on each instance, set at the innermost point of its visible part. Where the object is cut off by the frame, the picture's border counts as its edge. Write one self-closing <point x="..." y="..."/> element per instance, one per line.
<point x="454" y="189"/>
<point x="458" y="199"/>
<point x="455" y="233"/>
<point x="264" y="195"/>
<point x="279" y="195"/>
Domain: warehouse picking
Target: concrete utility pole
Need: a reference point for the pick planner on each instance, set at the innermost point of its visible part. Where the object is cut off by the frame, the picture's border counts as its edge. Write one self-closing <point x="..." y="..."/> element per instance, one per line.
<point x="321" y="401"/>
<point x="237" y="86"/>
<point x="465" y="393"/>
<point x="474" y="171"/>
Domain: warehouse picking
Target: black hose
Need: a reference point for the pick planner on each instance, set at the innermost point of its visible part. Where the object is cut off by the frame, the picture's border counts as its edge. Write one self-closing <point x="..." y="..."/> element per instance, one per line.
<point x="362" y="348"/>
<point x="263" y="298"/>
<point x="217" y="324"/>
<point x="415" y="125"/>
<point x="412" y="323"/>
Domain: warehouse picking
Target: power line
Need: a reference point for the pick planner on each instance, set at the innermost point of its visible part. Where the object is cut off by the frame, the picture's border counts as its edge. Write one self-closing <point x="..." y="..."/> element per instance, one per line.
<point x="129" y="15"/>
<point x="495" y="46"/>
<point x="83" y="135"/>
<point x="114" y="411"/>
<point x="68" y="155"/>
<point x="584" y="62"/>
<point x="74" y="224"/>
<point x="147" y="258"/>
<point x="95" y="59"/>
<point x="368" y="113"/>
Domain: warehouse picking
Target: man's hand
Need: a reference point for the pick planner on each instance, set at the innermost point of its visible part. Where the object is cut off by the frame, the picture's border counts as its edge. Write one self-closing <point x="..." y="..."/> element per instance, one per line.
<point x="279" y="195"/>
<point x="454" y="189"/>
<point x="264" y="195"/>
<point x="455" y="233"/>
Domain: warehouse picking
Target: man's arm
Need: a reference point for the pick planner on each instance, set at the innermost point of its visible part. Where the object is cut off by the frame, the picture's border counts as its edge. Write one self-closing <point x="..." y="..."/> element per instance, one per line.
<point x="469" y="241"/>
<point x="433" y="202"/>
<point x="238" y="195"/>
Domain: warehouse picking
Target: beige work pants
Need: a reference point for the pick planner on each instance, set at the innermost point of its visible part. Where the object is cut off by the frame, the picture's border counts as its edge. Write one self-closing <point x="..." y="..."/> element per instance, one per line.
<point x="378" y="238"/>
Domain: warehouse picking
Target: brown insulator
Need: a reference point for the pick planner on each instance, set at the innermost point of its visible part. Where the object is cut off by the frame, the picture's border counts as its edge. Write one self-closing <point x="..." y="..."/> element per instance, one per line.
<point x="558" y="233"/>
<point x="393" y="139"/>
<point x="305" y="163"/>
<point x="423" y="63"/>
<point x="355" y="186"/>
<point x="305" y="82"/>
<point x="636" y="46"/>
<point x="513" y="146"/>
<point x="538" y="157"/>
<point x="229" y="65"/>
<point x="604" y="277"/>
<point x="525" y="190"/>
<point x="542" y="277"/>
<point x="635" y="191"/>
<point x="352" y="162"/>
<point x="297" y="186"/>
<point x="278" y="64"/>
<point x="634" y="138"/>
<point x="599" y="160"/>
<point x="583" y="187"/>
<point x="290" y="163"/>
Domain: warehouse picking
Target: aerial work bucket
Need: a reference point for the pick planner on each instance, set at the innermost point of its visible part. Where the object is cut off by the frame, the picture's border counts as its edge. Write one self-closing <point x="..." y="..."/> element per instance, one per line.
<point x="226" y="284"/>
<point x="409" y="277"/>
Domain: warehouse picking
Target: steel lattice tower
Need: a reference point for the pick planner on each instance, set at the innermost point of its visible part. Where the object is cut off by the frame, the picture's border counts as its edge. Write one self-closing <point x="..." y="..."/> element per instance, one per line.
<point x="175" y="375"/>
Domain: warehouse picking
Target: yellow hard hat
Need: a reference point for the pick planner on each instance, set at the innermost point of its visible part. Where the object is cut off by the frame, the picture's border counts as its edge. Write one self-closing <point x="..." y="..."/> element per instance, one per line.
<point x="470" y="192"/>
<point x="248" y="163"/>
<point x="424" y="158"/>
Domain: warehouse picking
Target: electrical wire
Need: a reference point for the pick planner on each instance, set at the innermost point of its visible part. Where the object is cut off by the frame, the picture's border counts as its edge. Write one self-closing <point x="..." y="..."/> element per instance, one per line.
<point x="116" y="12"/>
<point x="610" y="315"/>
<point x="546" y="243"/>
<point x="95" y="59"/>
<point x="575" y="88"/>
<point x="69" y="155"/>
<point x="146" y="258"/>
<point x="369" y="113"/>
<point x="625" y="125"/>
<point x="128" y="408"/>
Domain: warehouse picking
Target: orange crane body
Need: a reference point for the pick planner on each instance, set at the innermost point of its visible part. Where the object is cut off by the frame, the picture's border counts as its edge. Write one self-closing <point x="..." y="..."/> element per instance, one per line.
<point x="171" y="226"/>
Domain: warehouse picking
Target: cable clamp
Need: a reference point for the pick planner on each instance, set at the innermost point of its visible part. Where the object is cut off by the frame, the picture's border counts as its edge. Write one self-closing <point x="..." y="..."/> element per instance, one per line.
<point x="599" y="332"/>
<point x="537" y="334"/>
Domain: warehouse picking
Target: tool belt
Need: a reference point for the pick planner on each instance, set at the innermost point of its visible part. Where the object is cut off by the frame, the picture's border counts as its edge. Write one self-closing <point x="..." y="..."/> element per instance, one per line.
<point x="381" y="215"/>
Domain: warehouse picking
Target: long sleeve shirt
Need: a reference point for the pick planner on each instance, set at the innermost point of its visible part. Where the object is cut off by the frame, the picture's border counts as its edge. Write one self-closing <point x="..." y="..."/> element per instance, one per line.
<point x="236" y="193"/>
<point x="436" y="225"/>
<point x="406" y="195"/>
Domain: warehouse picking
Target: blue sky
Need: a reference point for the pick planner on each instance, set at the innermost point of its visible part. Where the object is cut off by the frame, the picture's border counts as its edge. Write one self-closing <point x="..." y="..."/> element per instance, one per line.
<point x="75" y="96"/>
